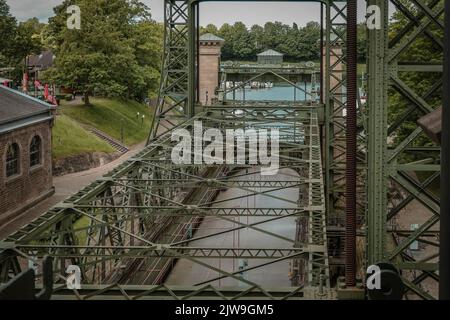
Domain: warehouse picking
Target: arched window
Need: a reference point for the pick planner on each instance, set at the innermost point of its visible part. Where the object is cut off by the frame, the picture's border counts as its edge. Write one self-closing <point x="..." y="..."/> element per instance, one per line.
<point x="12" y="160"/>
<point x="35" y="151"/>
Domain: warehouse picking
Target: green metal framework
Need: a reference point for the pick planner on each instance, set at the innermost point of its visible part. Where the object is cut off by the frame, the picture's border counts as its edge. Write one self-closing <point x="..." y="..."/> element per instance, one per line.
<point x="395" y="164"/>
<point x="108" y="229"/>
<point x="120" y="224"/>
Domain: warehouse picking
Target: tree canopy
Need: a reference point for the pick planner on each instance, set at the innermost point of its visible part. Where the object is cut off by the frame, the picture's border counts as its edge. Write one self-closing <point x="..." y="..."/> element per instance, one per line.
<point x="115" y="53"/>
<point x="18" y="40"/>
<point x="298" y="44"/>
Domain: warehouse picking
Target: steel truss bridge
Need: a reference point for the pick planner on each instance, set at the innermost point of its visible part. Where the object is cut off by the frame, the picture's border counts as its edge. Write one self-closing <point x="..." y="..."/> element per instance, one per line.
<point x="136" y="216"/>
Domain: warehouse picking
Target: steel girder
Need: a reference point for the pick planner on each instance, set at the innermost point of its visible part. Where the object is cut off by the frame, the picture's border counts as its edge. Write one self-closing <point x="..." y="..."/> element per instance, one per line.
<point x="163" y="292"/>
<point x="335" y="99"/>
<point x="108" y="228"/>
<point x="176" y="72"/>
<point x="397" y="166"/>
<point x="117" y="216"/>
<point x="177" y="94"/>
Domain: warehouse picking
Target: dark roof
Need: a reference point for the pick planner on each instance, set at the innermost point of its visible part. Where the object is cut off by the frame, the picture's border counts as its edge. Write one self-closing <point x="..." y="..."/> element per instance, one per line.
<point x="16" y="106"/>
<point x="270" y="53"/>
<point x="41" y="61"/>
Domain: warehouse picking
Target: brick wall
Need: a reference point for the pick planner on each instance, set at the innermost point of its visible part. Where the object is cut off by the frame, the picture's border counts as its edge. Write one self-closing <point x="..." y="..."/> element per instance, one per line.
<point x="18" y="192"/>
<point x="209" y="70"/>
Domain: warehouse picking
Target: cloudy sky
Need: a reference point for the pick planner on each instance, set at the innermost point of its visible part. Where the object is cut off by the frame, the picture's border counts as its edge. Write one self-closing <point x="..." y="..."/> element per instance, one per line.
<point x="211" y="12"/>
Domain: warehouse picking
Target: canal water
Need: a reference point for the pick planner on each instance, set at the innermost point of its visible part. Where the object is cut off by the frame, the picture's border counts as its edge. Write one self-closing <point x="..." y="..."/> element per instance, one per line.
<point x="276" y="93"/>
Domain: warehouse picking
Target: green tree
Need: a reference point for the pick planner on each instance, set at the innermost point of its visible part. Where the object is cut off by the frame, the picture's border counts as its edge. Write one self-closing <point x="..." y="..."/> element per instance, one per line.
<point x="298" y="44"/>
<point x="362" y="42"/>
<point x="226" y="32"/>
<point x="106" y="56"/>
<point x="309" y="42"/>
<point x="148" y="44"/>
<point x="18" y="41"/>
<point x="7" y="32"/>
<point x="257" y="36"/>
<point x="210" y="28"/>
<point x="28" y="38"/>
<point x="241" y="41"/>
<point x="274" y="33"/>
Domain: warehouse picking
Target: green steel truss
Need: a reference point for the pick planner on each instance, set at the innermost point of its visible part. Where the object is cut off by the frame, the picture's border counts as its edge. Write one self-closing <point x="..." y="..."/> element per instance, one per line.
<point x="335" y="98"/>
<point x="133" y="220"/>
<point x="403" y="170"/>
<point x="117" y="226"/>
<point x="173" y="93"/>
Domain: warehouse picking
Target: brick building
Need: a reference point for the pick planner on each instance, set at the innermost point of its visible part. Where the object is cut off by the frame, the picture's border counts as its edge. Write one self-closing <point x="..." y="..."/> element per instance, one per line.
<point x="210" y="51"/>
<point x="25" y="152"/>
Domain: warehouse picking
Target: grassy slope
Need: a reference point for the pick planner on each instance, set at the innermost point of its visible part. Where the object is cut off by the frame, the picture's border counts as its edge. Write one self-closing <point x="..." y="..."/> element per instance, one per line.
<point x="69" y="138"/>
<point x="110" y="115"/>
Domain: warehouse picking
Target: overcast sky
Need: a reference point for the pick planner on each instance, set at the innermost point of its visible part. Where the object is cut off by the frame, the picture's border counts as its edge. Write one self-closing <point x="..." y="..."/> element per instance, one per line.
<point x="211" y="12"/>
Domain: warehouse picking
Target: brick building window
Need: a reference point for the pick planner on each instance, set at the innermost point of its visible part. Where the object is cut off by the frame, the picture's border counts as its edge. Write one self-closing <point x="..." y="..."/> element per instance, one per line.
<point x="35" y="151"/>
<point x="12" y="160"/>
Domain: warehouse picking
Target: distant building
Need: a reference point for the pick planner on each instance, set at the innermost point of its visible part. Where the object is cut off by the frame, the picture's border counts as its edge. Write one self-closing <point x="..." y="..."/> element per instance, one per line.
<point x="209" y="56"/>
<point x="25" y="152"/>
<point x="270" y="57"/>
<point x="39" y="63"/>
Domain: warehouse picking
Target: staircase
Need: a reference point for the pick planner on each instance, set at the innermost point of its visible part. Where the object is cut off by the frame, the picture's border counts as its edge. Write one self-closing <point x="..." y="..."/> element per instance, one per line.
<point x="111" y="141"/>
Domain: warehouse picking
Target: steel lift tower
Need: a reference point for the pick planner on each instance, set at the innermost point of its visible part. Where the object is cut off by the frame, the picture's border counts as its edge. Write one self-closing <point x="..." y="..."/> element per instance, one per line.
<point x="358" y="169"/>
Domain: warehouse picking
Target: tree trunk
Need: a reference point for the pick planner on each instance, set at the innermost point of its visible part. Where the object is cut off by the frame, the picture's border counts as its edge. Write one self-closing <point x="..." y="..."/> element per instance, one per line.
<point x="86" y="99"/>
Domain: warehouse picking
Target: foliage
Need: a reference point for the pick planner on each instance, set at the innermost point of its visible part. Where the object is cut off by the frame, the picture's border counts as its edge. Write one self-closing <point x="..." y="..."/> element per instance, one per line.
<point x="298" y="44"/>
<point x="18" y="41"/>
<point x="7" y="30"/>
<point x="362" y="42"/>
<point x="116" y="53"/>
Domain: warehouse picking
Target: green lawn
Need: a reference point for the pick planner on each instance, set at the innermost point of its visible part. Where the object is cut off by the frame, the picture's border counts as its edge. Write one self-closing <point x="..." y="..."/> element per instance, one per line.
<point x="111" y="116"/>
<point x="69" y="138"/>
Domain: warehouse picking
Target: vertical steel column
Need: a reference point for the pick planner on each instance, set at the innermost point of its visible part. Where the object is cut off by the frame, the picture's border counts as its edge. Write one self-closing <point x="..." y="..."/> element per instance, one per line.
<point x="378" y="79"/>
<point x="444" y="254"/>
<point x="328" y="116"/>
<point x="350" y="183"/>
<point x="321" y="53"/>
<point x="175" y="72"/>
<point x="197" y="22"/>
<point x="192" y="69"/>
